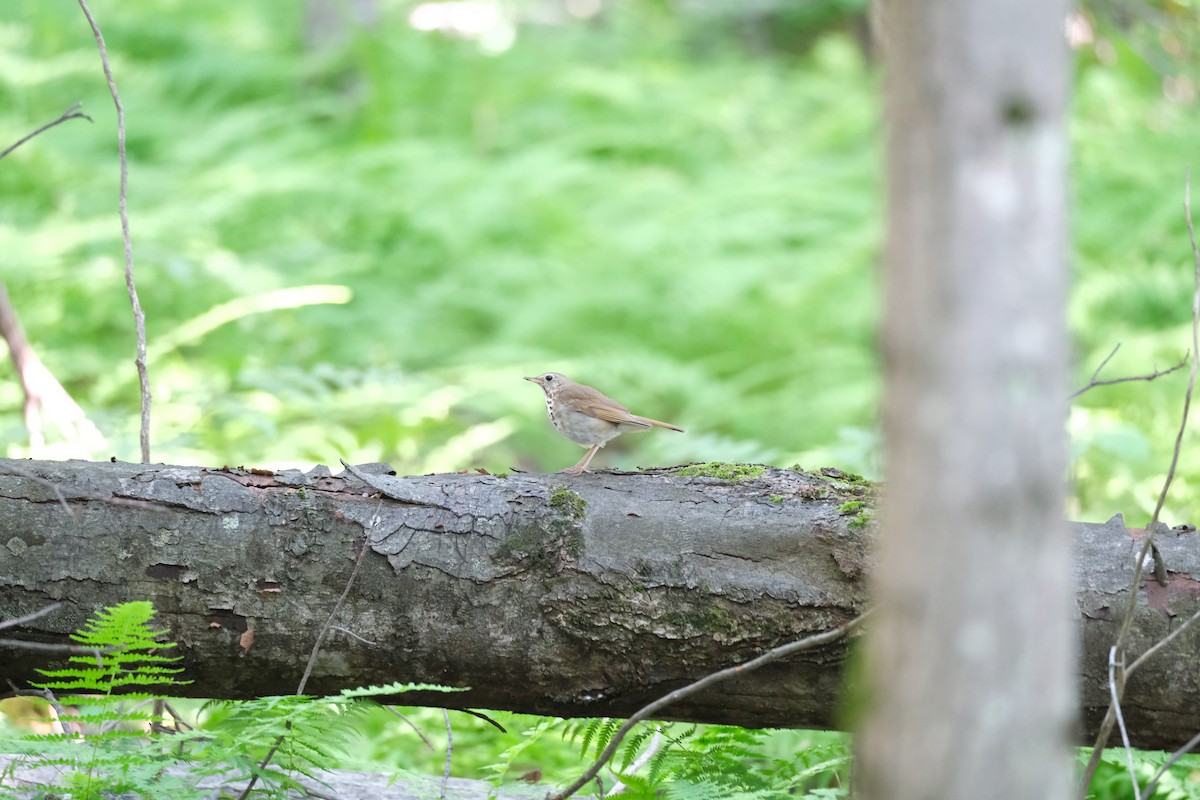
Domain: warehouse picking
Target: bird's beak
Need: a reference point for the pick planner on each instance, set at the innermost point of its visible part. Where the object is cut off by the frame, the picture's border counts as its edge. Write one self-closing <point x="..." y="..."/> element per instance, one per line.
<point x="535" y="380"/>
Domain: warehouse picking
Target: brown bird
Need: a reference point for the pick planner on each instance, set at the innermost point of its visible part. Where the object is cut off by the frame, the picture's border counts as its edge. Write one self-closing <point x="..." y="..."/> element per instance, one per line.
<point x="587" y="417"/>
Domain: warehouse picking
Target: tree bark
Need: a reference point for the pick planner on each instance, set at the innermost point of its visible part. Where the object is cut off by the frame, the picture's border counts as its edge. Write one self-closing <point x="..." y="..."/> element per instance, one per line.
<point x="969" y="663"/>
<point x="509" y="586"/>
<point x="587" y="600"/>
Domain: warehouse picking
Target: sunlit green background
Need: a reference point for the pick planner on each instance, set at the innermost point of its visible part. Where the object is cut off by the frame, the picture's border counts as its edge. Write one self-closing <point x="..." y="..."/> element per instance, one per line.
<point x="353" y="244"/>
<point x="677" y="205"/>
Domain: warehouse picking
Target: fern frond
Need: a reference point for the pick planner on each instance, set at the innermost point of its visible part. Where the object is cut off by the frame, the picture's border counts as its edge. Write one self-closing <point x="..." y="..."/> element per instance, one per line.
<point x="585" y="730"/>
<point x="396" y="688"/>
<point x="600" y="735"/>
<point x="112" y="756"/>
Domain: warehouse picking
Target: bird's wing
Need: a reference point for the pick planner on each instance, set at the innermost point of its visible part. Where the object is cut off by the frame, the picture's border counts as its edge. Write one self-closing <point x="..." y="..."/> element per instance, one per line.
<point x="596" y="404"/>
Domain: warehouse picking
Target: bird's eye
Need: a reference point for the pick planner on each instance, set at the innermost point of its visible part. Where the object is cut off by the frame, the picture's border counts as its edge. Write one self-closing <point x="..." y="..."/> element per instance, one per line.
<point x="548" y="378"/>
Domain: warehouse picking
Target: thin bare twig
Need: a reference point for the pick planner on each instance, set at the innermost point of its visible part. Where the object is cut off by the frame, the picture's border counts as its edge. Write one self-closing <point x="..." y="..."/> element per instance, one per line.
<point x="30" y="617"/>
<point x="312" y="657"/>
<point x="180" y="722"/>
<point x="351" y="634"/>
<point x="1093" y="383"/>
<point x="71" y="113"/>
<point x="1166" y="765"/>
<point x="1107" y="358"/>
<point x="131" y="502"/>
<point x="807" y="643"/>
<point x="1160" y="644"/>
<point x="1148" y="547"/>
<point x="1116" y="705"/>
<point x="50" y="647"/>
<point x="449" y="753"/>
<point x="139" y="319"/>
<point x="412" y="725"/>
<point x="51" y="485"/>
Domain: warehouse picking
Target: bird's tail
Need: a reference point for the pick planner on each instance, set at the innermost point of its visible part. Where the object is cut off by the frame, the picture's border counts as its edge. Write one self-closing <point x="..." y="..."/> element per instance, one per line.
<point x="657" y="424"/>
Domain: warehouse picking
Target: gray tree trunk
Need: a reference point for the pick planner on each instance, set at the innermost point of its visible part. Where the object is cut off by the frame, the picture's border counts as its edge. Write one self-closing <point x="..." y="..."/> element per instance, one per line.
<point x="971" y="659"/>
<point x="547" y="594"/>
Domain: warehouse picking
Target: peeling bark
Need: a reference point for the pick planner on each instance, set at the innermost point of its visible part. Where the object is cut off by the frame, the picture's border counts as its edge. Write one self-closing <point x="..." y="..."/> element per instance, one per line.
<point x="547" y="594"/>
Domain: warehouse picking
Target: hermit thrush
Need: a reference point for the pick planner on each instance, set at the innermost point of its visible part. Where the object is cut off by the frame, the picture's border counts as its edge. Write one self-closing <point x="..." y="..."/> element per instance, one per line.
<point x="587" y="417"/>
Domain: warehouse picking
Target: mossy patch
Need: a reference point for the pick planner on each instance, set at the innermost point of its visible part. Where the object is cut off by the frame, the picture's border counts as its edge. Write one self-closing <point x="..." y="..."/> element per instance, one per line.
<point x="553" y="540"/>
<point x="542" y="548"/>
<point x="862" y="512"/>
<point x="567" y="502"/>
<point x="735" y="473"/>
<point x="861" y="521"/>
<point x="693" y="620"/>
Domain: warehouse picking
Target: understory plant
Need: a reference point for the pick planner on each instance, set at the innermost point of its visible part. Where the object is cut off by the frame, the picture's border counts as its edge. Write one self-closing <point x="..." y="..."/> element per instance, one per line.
<point x="115" y="739"/>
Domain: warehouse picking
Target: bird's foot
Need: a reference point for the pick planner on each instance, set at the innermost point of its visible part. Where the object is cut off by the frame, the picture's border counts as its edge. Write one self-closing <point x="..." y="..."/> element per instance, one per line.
<point x="575" y="470"/>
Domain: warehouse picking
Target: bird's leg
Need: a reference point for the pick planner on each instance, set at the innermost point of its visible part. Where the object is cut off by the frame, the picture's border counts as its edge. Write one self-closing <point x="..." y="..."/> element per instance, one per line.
<point x="582" y="466"/>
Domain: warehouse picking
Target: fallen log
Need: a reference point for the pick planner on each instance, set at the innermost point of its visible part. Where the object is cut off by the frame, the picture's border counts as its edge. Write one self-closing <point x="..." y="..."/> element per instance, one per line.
<point x="546" y="594"/>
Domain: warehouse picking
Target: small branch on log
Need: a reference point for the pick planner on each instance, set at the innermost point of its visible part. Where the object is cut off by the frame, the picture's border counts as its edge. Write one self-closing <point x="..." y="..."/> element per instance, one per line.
<point x="30" y="617"/>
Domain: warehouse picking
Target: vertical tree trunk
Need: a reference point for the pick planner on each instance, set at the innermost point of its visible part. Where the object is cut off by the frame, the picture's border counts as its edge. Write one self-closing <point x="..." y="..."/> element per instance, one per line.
<point x="969" y="677"/>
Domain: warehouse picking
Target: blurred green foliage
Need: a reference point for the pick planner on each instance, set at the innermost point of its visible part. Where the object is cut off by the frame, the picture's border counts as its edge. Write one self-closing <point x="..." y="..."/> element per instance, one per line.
<point x="682" y="211"/>
<point x="695" y="236"/>
<point x="693" y="229"/>
<point x="766" y="763"/>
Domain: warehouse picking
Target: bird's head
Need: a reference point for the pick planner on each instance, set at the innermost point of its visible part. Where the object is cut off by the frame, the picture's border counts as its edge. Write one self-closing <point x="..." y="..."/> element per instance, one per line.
<point x="551" y="382"/>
